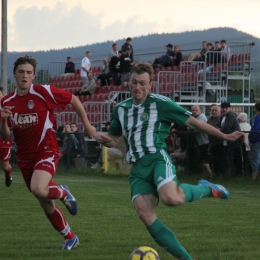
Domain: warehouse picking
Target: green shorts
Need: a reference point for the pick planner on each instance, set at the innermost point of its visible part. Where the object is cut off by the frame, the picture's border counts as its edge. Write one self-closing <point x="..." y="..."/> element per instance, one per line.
<point x="150" y="173"/>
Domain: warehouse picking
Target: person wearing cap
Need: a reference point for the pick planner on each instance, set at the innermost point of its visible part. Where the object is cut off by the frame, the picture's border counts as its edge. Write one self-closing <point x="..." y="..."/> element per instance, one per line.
<point x="228" y="123"/>
<point x="245" y="127"/>
<point x="128" y="45"/>
<point x="254" y="139"/>
<point x="70" y="66"/>
<point x="114" y="67"/>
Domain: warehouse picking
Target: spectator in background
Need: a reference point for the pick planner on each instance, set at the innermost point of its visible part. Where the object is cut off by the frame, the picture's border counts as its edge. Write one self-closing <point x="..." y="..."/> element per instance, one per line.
<point x="225" y="51"/>
<point x="114" y="67"/>
<point x="70" y="66"/>
<point x="67" y="151"/>
<point x="203" y="141"/>
<point x="228" y="123"/>
<point x="217" y="53"/>
<point x="199" y="56"/>
<point x="126" y="65"/>
<point x="104" y="73"/>
<point x="85" y="67"/>
<point x="217" y="46"/>
<point x="254" y="140"/>
<point x="175" y="148"/>
<point x="79" y="148"/>
<point x="113" y="52"/>
<point x="245" y="127"/>
<point x="89" y="87"/>
<point x="128" y="45"/>
<point x="218" y="152"/>
<point x="209" y="57"/>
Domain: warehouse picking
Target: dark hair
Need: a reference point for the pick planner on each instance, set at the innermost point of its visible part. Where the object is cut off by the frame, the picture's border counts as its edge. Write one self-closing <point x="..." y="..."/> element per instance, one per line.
<point x="223" y="41"/>
<point x="73" y="124"/>
<point x="87" y="52"/>
<point x="128" y="39"/>
<point x="216" y="42"/>
<point x="60" y="129"/>
<point x="24" y="60"/>
<point x="141" y="68"/>
<point x="257" y="106"/>
<point x="2" y="89"/>
<point x="114" y="44"/>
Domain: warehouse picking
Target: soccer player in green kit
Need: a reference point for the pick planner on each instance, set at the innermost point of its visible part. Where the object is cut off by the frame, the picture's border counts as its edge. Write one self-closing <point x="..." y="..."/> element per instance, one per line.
<point x="144" y="120"/>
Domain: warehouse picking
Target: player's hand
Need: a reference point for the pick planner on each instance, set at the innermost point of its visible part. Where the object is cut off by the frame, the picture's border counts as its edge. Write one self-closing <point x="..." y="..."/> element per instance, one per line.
<point x="90" y="131"/>
<point x="6" y="112"/>
<point x="102" y="138"/>
<point x="236" y="135"/>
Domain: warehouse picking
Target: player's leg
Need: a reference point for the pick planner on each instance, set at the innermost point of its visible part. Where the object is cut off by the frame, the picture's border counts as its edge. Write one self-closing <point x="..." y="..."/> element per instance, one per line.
<point x="145" y="206"/>
<point x="8" y="173"/>
<point x="172" y="193"/>
<point x="145" y="199"/>
<point x="58" y="221"/>
<point x="43" y="186"/>
<point x="5" y="154"/>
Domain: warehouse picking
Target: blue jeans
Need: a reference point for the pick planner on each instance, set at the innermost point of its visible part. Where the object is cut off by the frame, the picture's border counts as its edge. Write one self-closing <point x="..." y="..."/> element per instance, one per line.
<point x="255" y="156"/>
<point x="166" y="60"/>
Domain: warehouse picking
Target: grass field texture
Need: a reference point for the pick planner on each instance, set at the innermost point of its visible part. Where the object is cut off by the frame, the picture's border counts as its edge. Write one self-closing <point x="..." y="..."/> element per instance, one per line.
<point x="109" y="229"/>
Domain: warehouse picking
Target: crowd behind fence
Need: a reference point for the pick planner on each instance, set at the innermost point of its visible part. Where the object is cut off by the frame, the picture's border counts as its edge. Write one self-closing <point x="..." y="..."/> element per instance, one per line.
<point x="188" y="160"/>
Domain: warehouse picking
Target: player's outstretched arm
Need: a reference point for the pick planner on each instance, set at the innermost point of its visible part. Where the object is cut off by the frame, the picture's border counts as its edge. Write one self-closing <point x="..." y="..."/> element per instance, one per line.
<point x="5" y="132"/>
<point x="77" y="105"/>
<point x="210" y="130"/>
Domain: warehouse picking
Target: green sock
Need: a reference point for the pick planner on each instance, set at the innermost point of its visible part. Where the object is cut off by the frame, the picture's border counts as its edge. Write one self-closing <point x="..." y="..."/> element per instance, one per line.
<point x="195" y="192"/>
<point x="166" y="239"/>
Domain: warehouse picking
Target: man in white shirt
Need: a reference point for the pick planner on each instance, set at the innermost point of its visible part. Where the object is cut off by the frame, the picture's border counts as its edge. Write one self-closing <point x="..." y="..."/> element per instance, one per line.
<point x="113" y="52"/>
<point x="85" y="67"/>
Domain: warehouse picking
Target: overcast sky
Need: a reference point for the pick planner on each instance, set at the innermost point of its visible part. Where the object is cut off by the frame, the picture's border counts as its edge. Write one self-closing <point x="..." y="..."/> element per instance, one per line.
<point x="43" y="25"/>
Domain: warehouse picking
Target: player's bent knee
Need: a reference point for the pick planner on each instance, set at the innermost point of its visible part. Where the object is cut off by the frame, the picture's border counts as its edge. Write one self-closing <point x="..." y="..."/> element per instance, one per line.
<point x="38" y="191"/>
<point x="146" y="217"/>
<point x="173" y="200"/>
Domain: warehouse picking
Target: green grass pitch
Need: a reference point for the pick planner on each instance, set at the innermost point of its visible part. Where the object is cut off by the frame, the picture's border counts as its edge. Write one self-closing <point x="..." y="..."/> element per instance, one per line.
<point x="109" y="229"/>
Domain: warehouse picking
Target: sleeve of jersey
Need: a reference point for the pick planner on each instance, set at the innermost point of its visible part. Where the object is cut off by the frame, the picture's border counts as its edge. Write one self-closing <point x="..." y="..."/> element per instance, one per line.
<point x="171" y="112"/>
<point x="56" y="97"/>
<point x="115" y="125"/>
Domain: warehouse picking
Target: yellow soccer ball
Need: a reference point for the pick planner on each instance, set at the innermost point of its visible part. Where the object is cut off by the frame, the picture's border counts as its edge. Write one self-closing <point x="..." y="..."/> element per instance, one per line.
<point x="144" y="253"/>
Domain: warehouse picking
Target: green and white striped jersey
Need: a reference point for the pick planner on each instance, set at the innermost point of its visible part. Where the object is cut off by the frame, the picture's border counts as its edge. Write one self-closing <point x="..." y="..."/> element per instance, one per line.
<point x="146" y="126"/>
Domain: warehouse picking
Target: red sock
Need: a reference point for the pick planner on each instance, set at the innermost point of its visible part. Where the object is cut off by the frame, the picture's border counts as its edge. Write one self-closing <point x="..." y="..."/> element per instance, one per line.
<point x="8" y="171"/>
<point x="55" y="192"/>
<point x="59" y="222"/>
